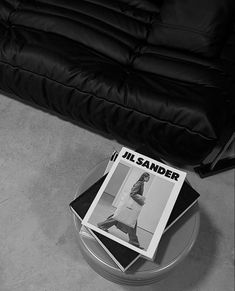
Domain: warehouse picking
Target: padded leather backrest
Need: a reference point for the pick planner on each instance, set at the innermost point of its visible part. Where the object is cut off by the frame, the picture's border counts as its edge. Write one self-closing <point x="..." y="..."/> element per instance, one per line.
<point x="198" y="26"/>
<point x="110" y="28"/>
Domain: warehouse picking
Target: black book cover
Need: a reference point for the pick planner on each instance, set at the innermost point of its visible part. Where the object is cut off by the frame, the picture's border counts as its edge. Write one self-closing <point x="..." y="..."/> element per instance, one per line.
<point x="186" y="199"/>
<point x="123" y="256"/>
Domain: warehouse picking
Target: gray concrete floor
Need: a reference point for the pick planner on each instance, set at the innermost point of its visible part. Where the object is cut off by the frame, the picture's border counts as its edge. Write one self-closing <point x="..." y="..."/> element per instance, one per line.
<point x="42" y="162"/>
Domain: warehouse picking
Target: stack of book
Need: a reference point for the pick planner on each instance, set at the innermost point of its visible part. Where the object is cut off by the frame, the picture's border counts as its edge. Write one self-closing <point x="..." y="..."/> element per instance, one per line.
<point x="131" y="206"/>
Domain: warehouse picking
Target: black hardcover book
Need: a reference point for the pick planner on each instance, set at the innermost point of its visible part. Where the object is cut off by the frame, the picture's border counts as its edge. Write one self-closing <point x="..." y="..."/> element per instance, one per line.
<point x="123" y="256"/>
<point x="186" y="199"/>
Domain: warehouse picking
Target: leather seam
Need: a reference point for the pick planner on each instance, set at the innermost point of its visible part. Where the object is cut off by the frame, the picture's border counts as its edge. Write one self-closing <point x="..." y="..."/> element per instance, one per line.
<point x="102" y="98"/>
<point x="121" y="12"/>
<point x="108" y="8"/>
<point x="100" y="54"/>
<point x="184" y="28"/>
<point x="128" y="35"/>
<point x="187" y="62"/>
<point x="13" y="11"/>
<point x="71" y="39"/>
<point x="205" y="85"/>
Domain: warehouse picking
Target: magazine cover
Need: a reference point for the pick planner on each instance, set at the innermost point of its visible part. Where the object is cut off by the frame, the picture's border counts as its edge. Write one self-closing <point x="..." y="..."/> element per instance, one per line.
<point x="135" y="201"/>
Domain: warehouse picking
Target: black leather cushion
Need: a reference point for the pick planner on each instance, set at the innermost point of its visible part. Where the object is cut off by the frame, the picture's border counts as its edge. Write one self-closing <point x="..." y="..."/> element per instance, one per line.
<point x="91" y="61"/>
<point x="198" y="26"/>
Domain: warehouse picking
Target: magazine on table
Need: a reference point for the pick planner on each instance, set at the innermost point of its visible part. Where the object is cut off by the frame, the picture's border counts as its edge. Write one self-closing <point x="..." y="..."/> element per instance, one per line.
<point x="123" y="256"/>
<point x="134" y="203"/>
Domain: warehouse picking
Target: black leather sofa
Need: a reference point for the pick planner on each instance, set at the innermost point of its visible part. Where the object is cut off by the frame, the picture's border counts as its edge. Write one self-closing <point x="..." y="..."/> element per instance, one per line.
<point x="147" y="72"/>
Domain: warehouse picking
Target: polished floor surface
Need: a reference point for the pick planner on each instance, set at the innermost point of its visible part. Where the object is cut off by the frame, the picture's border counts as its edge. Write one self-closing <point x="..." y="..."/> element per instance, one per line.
<point x="43" y="160"/>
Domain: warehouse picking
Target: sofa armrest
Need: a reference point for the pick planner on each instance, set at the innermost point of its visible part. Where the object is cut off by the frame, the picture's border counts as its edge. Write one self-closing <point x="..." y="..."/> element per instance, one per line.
<point x="198" y="26"/>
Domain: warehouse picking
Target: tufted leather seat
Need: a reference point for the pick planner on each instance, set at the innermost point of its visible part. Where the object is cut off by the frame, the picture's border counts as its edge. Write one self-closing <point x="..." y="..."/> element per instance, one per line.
<point x="118" y="67"/>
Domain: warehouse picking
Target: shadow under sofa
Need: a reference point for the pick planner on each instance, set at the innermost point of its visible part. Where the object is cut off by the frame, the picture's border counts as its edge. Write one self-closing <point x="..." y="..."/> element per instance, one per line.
<point x="150" y="73"/>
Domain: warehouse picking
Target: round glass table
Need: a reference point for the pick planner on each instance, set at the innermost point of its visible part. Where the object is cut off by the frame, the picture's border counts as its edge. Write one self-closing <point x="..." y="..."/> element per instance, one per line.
<point x="175" y="244"/>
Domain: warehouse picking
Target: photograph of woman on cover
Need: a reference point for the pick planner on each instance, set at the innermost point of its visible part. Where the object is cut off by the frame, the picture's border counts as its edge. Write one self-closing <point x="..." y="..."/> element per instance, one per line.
<point x="126" y="215"/>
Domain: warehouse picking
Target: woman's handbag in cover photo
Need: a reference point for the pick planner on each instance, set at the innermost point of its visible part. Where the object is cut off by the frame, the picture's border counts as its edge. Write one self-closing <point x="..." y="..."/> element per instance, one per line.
<point x="128" y="211"/>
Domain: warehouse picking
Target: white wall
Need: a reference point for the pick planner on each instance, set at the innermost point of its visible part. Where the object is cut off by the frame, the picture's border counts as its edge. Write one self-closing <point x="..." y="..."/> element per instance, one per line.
<point x="117" y="179"/>
<point x="156" y="200"/>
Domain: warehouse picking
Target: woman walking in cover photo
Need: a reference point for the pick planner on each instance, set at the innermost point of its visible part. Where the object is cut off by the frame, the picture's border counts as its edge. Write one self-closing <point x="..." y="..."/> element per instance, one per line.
<point x="126" y="215"/>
